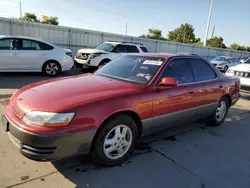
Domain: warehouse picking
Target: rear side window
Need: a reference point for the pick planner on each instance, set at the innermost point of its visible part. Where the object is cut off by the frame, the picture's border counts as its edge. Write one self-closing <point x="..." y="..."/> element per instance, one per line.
<point x="202" y="71"/>
<point x="179" y="69"/>
<point x="144" y="49"/>
<point x="132" y="49"/>
<point x="35" y="45"/>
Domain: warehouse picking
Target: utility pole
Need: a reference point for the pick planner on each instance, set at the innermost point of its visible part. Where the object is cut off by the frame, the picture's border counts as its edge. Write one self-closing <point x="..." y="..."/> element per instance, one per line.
<point x="20" y="5"/>
<point x="213" y="32"/>
<point x="126" y="31"/>
<point x="208" y="22"/>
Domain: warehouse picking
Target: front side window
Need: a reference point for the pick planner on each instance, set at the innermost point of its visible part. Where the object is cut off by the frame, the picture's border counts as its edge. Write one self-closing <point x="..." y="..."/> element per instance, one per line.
<point x="180" y="69"/>
<point x="7" y="44"/>
<point x="121" y="49"/>
<point x="221" y="58"/>
<point x="136" y="69"/>
<point x="108" y="47"/>
<point x="132" y="49"/>
<point x="202" y="71"/>
<point x="247" y="61"/>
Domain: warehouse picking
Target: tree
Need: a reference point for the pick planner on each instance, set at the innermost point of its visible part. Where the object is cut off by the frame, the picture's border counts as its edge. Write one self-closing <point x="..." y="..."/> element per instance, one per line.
<point x="235" y="46"/>
<point x="183" y="34"/>
<point x="30" y="17"/>
<point x="216" y="42"/>
<point x="153" y="34"/>
<point x="51" y="21"/>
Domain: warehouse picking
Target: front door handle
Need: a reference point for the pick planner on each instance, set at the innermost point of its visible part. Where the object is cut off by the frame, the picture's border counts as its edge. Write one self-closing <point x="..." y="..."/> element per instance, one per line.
<point x="14" y="54"/>
<point x="220" y="86"/>
<point x="190" y="92"/>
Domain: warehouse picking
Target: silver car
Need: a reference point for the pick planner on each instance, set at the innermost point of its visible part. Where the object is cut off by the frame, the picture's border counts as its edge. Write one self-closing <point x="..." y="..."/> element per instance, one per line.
<point x="222" y="63"/>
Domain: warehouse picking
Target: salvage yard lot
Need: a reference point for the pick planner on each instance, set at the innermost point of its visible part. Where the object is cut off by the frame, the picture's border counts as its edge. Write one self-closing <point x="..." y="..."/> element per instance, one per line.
<point x="189" y="156"/>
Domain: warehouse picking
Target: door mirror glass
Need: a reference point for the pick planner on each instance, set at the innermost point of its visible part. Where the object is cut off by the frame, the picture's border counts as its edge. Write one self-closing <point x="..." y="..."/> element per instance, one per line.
<point x="168" y="81"/>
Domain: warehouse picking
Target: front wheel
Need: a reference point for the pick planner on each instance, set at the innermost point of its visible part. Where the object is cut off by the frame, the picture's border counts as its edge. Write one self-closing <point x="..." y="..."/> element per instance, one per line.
<point x="220" y="113"/>
<point x="226" y="68"/>
<point x="114" y="141"/>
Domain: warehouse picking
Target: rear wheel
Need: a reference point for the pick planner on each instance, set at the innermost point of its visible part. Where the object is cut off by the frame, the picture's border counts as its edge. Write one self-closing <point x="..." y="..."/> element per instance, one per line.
<point x="51" y="68"/>
<point x="104" y="62"/>
<point x="114" y="141"/>
<point x="220" y="113"/>
<point x="226" y="68"/>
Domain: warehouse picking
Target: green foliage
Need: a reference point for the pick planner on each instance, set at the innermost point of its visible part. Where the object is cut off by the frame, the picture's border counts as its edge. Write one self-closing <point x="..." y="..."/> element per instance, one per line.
<point x="30" y="17"/>
<point x="183" y="34"/>
<point x="153" y="34"/>
<point x="216" y="42"/>
<point x="235" y="46"/>
<point x="51" y="21"/>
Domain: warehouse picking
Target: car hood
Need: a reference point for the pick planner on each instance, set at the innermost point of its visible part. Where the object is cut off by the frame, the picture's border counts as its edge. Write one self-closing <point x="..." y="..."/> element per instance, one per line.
<point x="241" y="67"/>
<point x="58" y="95"/>
<point x="91" y="51"/>
<point x="218" y="62"/>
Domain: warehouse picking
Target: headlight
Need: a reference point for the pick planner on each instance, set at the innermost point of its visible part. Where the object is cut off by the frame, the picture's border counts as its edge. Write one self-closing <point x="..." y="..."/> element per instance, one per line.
<point x="48" y="118"/>
<point x="92" y="56"/>
<point x="230" y="71"/>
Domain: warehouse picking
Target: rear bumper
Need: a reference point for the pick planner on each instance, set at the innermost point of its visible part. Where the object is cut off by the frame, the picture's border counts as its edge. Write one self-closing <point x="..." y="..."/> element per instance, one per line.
<point x="49" y="147"/>
<point x="245" y="89"/>
<point x="235" y="98"/>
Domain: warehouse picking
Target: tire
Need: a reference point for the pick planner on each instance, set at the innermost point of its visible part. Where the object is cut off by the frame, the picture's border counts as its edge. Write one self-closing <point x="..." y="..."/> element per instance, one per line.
<point x="51" y="68"/>
<point x="108" y="143"/>
<point x="104" y="62"/>
<point x="226" y="68"/>
<point x="215" y="119"/>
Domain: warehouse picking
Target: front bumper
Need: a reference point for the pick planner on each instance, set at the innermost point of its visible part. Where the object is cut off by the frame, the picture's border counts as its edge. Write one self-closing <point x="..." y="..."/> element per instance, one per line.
<point x="48" y="147"/>
<point x="245" y="89"/>
<point x="79" y="63"/>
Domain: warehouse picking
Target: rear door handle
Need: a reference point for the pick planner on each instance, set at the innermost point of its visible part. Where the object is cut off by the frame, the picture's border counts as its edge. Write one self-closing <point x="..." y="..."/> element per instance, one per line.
<point x="190" y="92"/>
<point x="220" y="86"/>
<point x="14" y="54"/>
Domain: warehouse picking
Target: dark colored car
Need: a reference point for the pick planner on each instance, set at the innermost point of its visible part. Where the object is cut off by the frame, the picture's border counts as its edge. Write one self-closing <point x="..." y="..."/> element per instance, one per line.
<point x="107" y="112"/>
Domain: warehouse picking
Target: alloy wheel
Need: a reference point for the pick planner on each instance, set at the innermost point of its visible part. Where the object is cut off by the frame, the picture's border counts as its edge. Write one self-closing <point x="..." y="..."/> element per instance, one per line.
<point x="221" y="111"/>
<point x="51" y="69"/>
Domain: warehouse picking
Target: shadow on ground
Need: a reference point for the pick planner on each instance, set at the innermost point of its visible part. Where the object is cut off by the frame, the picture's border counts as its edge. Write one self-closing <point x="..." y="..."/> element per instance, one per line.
<point x="17" y="80"/>
<point x="149" y="166"/>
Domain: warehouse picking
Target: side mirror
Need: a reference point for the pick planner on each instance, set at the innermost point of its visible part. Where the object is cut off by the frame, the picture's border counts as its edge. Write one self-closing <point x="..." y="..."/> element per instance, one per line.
<point x="168" y="81"/>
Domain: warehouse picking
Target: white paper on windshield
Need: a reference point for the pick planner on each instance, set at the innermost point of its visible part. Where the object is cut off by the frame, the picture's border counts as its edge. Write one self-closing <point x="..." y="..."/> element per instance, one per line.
<point x="151" y="62"/>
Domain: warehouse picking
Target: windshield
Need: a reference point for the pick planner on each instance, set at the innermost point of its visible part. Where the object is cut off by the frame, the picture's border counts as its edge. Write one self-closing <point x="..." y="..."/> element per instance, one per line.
<point x="137" y="69"/>
<point x="221" y="58"/>
<point x="108" y="47"/>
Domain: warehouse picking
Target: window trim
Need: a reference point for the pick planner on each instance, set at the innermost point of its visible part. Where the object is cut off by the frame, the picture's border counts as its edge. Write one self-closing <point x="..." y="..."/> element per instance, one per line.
<point x="189" y="58"/>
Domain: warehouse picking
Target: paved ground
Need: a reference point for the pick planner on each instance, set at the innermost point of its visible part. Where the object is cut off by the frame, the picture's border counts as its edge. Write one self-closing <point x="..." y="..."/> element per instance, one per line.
<point x="189" y="156"/>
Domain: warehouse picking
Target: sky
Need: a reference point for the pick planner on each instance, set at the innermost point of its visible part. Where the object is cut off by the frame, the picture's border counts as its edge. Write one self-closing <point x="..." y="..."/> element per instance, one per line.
<point x="230" y="17"/>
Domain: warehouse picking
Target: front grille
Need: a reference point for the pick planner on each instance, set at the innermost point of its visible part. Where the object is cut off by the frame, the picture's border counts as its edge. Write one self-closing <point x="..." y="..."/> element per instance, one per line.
<point x="82" y="56"/>
<point x="242" y="74"/>
<point x="17" y="111"/>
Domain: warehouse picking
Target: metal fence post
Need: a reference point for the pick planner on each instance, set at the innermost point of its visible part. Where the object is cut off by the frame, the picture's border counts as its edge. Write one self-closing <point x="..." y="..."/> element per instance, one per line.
<point x="70" y="38"/>
<point x="176" y="51"/>
<point x="156" y="46"/>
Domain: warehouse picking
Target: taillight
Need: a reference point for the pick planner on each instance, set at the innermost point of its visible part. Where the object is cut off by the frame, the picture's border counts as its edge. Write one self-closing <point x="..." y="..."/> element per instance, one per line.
<point x="69" y="54"/>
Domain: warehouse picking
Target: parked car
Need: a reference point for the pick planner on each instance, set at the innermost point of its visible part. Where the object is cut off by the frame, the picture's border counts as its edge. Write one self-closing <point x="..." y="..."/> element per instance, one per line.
<point x="107" y="112"/>
<point x="25" y="54"/>
<point x="105" y="52"/>
<point x="186" y="53"/>
<point x="222" y="63"/>
<point x="243" y="59"/>
<point x="242" y="71"/>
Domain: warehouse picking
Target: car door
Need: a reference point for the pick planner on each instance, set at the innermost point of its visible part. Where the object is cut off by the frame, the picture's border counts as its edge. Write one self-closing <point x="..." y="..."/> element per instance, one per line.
<point x="9" y="54"/>
<point x="208" y="86"/>
<point x="32" y="55"/>
<point x="175" y="105"/>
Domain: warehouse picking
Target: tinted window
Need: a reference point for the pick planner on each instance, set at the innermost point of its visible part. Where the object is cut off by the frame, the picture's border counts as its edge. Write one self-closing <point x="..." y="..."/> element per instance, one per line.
<point x="144" y="49"/>
<point x="109" y="47"/>
<point x="30" y="45"/>
<point x="121" y="49"/>
<point x="202" y="71"/>
<point x="132" y="49"/>
<point x="139" y="69"/>
<point x="247" y="61"/>
<point x="7" y="44"/>
<point x="44" y="46"/>
<point x="179" y="69"/>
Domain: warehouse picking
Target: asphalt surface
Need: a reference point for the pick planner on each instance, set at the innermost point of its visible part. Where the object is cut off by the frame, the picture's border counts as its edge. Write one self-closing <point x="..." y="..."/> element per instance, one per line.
<point x="188" y="156"/>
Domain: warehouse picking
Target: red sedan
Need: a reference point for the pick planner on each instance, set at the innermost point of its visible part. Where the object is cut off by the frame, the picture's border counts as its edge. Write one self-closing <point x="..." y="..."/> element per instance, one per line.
<point x="106" y="113"/>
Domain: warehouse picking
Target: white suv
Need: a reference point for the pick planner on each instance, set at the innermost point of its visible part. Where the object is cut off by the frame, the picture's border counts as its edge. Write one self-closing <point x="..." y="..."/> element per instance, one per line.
<point x="105" y="52"/>
<point x="243" y="72"/>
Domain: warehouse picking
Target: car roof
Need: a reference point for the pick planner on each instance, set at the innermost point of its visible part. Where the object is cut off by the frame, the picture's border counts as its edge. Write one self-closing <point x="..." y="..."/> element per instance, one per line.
<point x="161" y="55"/>
<point x="23" y="37"/>
<point x="125" y="43"/>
